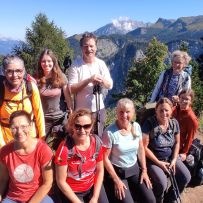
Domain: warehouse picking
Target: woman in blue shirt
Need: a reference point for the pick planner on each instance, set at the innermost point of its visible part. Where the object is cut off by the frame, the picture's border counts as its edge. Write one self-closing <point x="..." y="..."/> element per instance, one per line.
<point x="123" y="148"/>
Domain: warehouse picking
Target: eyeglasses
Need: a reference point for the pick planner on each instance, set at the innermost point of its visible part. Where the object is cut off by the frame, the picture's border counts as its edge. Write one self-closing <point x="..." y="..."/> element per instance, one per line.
<point x="85" y="127"/>
<point x="11" y="72"/>
<point x="21" y="127"/>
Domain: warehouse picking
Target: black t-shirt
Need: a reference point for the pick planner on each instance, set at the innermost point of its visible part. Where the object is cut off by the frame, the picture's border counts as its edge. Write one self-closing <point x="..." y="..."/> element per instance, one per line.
<point x="161" y="143"/>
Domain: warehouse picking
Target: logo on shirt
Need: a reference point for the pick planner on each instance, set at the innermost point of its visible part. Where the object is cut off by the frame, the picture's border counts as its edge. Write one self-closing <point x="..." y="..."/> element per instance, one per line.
<point x="23" y="173"/>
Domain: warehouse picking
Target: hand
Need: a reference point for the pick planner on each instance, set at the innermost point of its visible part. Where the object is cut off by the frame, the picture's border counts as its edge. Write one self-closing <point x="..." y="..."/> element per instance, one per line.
<point x="120" y="189"/>
<point x="164" y="165"/>
<point x="173" y="166"/>
<point x="183" y="157"/>
<point x="96" y="79"/>
<point x="145" y="177"/>
<point x="175" y="99"/>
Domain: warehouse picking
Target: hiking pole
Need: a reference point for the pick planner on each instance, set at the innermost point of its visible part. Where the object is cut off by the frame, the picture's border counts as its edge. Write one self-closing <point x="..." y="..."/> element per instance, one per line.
<point x="175" y="186"/>
<point x="97" y="92"/>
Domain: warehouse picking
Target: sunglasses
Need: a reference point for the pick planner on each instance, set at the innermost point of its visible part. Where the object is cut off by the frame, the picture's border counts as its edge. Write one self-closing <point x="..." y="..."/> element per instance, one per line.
<point x="85" y="127"/>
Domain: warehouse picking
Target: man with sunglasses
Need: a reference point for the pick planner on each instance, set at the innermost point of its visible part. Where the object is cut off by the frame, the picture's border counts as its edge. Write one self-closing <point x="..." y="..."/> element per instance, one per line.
<point x="87" y="73"/>
<point x="15" y="97"/>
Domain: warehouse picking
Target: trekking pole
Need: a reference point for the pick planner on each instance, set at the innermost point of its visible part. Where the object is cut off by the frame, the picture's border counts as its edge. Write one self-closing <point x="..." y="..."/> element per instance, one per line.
<point x="96" y="92"/>
<point x="175" y="186"/>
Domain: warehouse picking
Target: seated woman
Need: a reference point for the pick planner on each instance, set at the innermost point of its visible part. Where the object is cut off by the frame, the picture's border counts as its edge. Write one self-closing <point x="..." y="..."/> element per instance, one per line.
<point x="25" y="164"/>
<point x="79" y="162"/>
<point x="161" y="138"/>
<point x="187" y="120"/>
<point x="173" y="80"/>
<point x="123" y="148"/>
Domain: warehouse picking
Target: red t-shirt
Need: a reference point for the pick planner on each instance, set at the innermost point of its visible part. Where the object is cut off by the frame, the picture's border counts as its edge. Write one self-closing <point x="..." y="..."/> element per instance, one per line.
<point x="24" y="170"/>
<point x="188" y="123"/>
<point x="86" y="181"/>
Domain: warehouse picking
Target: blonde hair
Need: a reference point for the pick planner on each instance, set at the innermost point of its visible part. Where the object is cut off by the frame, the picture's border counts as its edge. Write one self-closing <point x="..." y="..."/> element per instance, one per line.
<point x="122" y="104"/>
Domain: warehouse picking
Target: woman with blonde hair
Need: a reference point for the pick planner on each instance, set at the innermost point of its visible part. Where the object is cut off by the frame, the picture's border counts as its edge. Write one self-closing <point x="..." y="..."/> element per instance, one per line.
<point x="123" y="145"/>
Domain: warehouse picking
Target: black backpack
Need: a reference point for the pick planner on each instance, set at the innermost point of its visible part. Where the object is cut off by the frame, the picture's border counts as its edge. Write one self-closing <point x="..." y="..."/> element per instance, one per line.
<point x="195" y="165"/>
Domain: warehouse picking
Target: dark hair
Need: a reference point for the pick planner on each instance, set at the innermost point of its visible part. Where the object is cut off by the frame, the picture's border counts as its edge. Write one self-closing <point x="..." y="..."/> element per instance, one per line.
<point x="20" y="113"/>
<point x="57" y="75"/>
<point x="79" y="113"/>
<point x="87" y="35"/>
<point x="188" y="92"/>
<point x="164" y="100"/>
<point x="9" y="59"/>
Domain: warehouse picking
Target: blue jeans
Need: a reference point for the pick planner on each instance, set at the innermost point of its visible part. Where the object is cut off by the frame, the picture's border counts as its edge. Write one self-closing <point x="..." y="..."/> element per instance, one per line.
<point x="46" y="199"/>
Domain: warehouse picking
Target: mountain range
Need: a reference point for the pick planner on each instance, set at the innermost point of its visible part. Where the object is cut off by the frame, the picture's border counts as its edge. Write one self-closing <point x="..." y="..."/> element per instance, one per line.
<point x="124" y="40"/>
<point x="118" y="49"/>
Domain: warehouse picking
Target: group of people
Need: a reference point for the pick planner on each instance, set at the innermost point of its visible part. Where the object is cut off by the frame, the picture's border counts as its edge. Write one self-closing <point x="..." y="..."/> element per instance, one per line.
<point x="120" y="163"/>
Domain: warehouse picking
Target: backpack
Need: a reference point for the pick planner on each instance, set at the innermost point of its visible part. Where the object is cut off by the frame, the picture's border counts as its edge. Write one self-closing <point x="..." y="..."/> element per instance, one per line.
<point x="28" y="86"/>
<point x="71" y="152"/>
<point x="27" y="78"/>
<point x="194" y="162"/>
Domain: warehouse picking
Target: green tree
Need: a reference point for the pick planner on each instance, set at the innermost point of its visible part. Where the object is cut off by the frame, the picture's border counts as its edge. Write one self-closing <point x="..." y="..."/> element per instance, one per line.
<point x="197" y="86"/>
<point x="42" y="34"/>
<point x="144" y="74"/>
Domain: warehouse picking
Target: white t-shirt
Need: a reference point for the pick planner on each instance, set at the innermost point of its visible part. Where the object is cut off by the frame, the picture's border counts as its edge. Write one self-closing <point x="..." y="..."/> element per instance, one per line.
<point x="80" y="71"/>
<point x="124" y="148"/>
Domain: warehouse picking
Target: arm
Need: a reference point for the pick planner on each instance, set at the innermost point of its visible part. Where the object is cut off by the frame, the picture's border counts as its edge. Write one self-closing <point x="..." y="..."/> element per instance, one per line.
<point x="191" y="130"/>
<point x="95" y="79"/>
<point x="119" y="185"/>
<point x="47" y="175"/>
<point x="38" y="111"/>
<point x="150" y="155"/>
<point x="157" y="88"/>
<point x="98" y="181"/>
<point x="142" y="159"/>
<point x="4" y="178"/>
<point x="175" y="152"/>
<point x="67" y="95"/>
<point x="61" y="174"/>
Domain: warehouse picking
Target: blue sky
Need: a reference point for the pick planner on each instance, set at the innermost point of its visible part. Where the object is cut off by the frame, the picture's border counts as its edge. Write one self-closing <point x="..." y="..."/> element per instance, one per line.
<point x="77" y="16"/>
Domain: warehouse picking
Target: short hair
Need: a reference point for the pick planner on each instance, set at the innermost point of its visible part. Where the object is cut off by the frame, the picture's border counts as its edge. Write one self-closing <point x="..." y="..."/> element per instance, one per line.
<point x="87" y="35"/>
<point x="181" y="55"/>
<point x="164" y="100"/>
<point x="188" y="92"/>
<point x="10" y="59"/>
<point x="20" y="113"/>
<point x="78" y="113"/>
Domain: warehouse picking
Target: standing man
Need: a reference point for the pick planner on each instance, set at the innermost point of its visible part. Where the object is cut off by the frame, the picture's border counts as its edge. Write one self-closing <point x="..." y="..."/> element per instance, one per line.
<point x="86" y="74"/>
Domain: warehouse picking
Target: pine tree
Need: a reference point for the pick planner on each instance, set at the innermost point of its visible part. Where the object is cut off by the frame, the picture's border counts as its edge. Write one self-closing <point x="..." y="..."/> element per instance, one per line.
<point x="144" y="74"/>
<point x="42" y="34"/>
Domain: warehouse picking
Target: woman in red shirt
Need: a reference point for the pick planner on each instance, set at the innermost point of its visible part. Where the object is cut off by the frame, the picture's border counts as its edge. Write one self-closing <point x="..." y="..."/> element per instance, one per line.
<point x="187" y="119"/>
<point x="79" y="162"/>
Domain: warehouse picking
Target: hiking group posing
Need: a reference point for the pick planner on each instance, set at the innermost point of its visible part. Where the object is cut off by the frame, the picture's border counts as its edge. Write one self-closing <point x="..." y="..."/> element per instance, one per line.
<point x="124" y="162"/>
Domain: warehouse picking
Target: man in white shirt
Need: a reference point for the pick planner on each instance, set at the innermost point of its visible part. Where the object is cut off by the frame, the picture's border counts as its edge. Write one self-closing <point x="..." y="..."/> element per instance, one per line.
<point x="85" y="74"/>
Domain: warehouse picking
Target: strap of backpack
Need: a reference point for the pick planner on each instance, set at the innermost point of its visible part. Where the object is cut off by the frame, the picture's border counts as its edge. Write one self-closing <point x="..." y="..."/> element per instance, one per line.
<point x="98" y="144"/>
